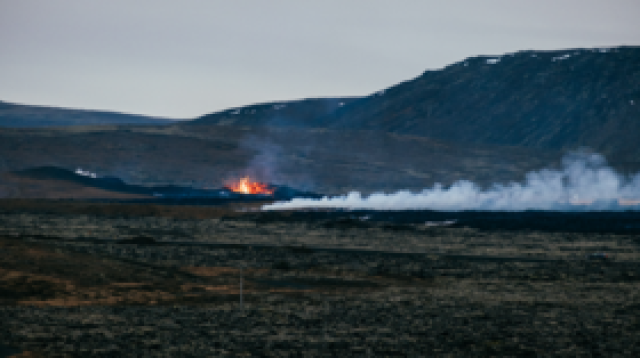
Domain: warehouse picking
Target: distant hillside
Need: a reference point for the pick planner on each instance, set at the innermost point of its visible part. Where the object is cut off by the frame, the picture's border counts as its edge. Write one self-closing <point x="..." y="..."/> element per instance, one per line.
<point x="295" y="113"/>
<point x="24" y="116"/>
<point x="541" y="99"/>
<point x="552" y="100"/>
<point x="488" y="119"/>
<point x="208" y="156"/>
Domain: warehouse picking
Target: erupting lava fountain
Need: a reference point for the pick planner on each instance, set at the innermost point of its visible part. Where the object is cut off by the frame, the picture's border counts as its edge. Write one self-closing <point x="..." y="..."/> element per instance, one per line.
<point x="246" y="186"/>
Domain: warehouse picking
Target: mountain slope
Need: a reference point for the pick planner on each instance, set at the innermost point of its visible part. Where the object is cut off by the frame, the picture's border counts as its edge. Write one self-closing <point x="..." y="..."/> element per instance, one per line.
<point x="295" y="113"/>
<point x="25" y="116"/>
<point x="552" y="99"/>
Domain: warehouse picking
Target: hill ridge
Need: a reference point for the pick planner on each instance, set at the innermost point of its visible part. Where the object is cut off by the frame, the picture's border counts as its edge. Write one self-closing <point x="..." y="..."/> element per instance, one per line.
<point x="14" y="115"/>
<point x="560" y="99"/>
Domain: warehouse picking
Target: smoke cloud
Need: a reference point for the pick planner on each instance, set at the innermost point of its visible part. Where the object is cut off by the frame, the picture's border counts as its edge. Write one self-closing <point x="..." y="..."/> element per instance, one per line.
<point x="265" y="165"/>
<point x="585" y="182"/>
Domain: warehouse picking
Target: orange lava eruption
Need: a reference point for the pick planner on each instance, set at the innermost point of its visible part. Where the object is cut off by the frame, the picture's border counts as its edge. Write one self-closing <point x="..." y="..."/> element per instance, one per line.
<point x="246" y="186"/>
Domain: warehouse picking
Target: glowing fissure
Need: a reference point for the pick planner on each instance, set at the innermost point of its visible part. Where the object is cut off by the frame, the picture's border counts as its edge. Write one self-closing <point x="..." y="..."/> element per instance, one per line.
<point x="247" y="186"/>
<point x="584" y="183"/>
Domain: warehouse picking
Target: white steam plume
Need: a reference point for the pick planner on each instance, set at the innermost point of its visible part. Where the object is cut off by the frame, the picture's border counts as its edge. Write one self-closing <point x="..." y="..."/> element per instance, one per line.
<point x="584" y="183"/>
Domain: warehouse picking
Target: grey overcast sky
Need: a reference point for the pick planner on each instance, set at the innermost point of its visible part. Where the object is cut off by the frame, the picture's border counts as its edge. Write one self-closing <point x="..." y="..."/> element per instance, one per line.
<point x="184" y="58"/>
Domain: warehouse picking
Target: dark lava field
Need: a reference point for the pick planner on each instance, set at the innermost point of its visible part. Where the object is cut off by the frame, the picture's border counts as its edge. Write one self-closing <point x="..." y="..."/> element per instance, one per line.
<point x="125" y="280"/>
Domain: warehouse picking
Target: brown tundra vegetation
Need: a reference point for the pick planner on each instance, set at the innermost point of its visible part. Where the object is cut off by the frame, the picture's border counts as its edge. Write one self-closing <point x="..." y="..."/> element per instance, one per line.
<point x="80" y="279"/>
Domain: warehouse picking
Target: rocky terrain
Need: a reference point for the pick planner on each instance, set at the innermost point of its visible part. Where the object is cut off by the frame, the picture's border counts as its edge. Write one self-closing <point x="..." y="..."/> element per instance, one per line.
<point x="80" y="279"/>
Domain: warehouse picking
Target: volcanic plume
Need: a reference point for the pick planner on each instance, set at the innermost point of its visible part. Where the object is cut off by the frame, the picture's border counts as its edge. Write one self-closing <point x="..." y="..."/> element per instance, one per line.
<point x="584" y="183"/>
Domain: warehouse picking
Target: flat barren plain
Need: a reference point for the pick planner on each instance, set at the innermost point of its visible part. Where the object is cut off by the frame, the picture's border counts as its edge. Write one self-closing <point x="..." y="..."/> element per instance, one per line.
<point x="116" y="280"/>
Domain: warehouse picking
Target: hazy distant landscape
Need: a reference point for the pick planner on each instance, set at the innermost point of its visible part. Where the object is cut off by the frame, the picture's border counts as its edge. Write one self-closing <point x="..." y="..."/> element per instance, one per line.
<point x="99" y="261"/>
<point x="487" y="119"/>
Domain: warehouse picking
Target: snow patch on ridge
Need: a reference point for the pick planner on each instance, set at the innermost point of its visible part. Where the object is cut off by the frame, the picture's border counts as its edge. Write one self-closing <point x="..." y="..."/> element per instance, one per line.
<point x="86" y="173"/>
<point x="561" y="58"/>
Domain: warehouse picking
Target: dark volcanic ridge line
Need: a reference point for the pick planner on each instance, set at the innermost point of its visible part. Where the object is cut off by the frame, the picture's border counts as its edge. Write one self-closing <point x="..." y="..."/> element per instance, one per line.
<point x="168" y="194"/>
